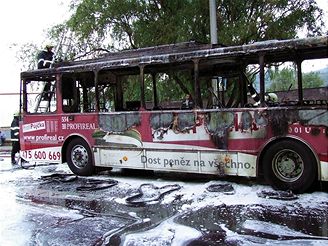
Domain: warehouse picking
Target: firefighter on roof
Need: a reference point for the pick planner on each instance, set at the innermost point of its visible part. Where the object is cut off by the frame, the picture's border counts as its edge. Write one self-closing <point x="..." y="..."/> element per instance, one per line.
<point x="45" y="57"/>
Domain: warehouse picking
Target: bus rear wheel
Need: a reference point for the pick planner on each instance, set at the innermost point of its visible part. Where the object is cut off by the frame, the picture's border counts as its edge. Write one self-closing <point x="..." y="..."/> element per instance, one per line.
<point x="290" y="165"/>
<point x="79" y="157"/>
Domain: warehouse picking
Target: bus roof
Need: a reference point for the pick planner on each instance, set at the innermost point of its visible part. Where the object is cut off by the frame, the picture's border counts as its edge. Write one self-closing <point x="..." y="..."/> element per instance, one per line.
<point x="183" y="54"/>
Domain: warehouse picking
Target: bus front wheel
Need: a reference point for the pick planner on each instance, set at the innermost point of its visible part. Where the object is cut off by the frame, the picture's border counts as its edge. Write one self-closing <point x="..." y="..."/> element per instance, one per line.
<point x="289" y="165"/>
<point x="79" y="157"/>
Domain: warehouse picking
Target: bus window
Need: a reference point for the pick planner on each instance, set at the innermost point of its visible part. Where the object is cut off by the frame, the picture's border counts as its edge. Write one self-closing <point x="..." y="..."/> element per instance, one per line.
<point x="131" y="92"/>
<point x="171" y="97"/>
<point x="314" y="81"/>
<point x="78" y="93"/>
<point x="69" y="95"/>
<point x="106" y="89"/>
<point x="281" y="86"/>
<point x="41" y="96"/>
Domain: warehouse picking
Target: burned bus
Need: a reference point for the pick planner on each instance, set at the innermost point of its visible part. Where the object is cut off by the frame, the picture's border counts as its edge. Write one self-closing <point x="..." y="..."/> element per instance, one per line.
<point x="115" y="111"/>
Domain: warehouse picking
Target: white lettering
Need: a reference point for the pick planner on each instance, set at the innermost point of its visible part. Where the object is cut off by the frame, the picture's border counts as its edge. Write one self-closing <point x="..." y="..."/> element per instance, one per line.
<point x="41" y="125"/>
<point x="78" y="126"/>
<point x="44" y="139"/>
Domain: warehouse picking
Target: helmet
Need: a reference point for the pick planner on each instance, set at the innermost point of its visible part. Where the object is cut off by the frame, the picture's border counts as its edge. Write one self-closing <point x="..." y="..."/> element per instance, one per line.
<point x="271" y="97"/>
<point x="49" y="46"/>
<point x="16" y="114"/>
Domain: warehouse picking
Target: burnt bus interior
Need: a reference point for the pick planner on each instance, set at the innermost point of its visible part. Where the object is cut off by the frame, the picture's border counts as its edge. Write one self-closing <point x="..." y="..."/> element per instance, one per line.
<point x="130" y="80"/>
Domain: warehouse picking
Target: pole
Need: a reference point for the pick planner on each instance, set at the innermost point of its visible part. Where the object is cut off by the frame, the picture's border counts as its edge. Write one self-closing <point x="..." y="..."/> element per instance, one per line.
<point x="214" y="40"/>
<point x="214" y="31"/>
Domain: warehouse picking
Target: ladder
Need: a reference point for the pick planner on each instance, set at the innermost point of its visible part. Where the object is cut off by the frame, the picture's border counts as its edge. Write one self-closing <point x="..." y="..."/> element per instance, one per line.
<point x="43" y="100"/>
<point x="63" y="47"/>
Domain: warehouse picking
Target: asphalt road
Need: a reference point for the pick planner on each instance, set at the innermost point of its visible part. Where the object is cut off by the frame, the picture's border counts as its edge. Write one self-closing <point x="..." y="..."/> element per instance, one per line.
<point x="48" y="205"/>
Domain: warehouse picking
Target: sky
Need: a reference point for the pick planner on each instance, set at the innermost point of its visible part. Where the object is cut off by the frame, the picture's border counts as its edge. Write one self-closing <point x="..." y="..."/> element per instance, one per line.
<point x="22" y="22"/>
<point x="28" y="23"/>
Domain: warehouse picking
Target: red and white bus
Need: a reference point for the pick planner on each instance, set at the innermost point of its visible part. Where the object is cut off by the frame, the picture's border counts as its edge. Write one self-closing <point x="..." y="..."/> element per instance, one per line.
<point x="120" y="111"/>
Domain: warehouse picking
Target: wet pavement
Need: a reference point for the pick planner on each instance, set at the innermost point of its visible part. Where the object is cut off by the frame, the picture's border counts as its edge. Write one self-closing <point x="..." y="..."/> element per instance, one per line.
<point x="48" y="205"/>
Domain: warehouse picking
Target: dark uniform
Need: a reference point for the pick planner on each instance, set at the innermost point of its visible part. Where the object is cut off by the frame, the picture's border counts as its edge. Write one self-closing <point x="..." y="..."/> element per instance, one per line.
<point x="187" y="103"/>
<point x="45" y="57"/>
<point x="2" y="138"/>
<point x="14" y="132"/>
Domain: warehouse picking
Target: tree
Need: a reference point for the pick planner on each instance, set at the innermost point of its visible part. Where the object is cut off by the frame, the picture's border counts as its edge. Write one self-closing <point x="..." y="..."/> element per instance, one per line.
<point x="128" y="24"/>
<point x="282" y="79"/>
<point x="27" y="54"/>
<point x="312" y="80"/>
<point x="140" y="23"/>
<point x="243" y="22"/>
<point x="124" y="24"/>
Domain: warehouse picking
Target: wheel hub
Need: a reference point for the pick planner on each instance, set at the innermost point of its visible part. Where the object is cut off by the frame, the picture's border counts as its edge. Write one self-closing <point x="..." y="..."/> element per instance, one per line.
<point x="79" y="156"/>
<point x="288" y="165"/>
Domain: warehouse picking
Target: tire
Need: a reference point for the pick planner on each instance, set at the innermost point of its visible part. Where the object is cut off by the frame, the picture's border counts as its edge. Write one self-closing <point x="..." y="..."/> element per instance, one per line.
<point x="79" y="157"/>
<point x="289" y="165"/>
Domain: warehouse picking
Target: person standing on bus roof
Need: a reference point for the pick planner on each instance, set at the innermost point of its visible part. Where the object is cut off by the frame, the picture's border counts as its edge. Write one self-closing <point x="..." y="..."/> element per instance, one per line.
<point x="45" y="57"/>
<point x="14" y="132"/>
<point x="187" y="103"/>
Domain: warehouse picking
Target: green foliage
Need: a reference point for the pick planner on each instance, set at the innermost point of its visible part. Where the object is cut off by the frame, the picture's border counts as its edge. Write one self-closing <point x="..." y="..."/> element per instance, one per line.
<point x="133" y="23"/>
<point x="243" y="22"/>
<point x="125" y="24"/>
<point x="282" y="79"/>
<point x="27" y="54"/>
<point x="98" y="25"/>
<point x="140" y="23"/>
<point x="166" y="85"/>
<point x="312" y="80"/>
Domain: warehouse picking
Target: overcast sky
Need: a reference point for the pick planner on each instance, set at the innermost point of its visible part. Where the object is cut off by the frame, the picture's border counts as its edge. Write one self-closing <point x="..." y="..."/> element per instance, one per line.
<point x="22" y="22"/>
<point x="25" y="21"/>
